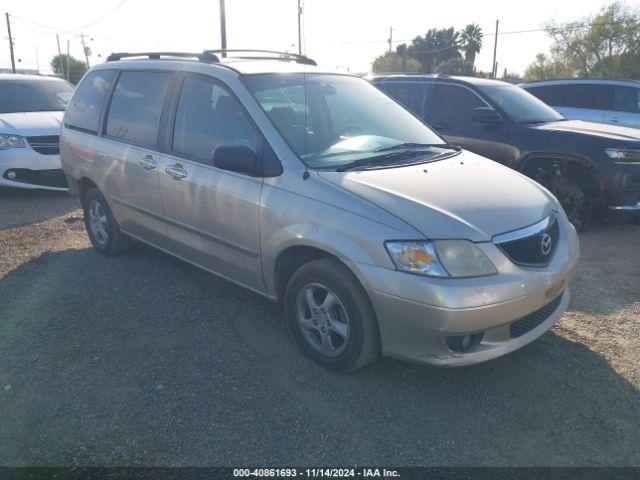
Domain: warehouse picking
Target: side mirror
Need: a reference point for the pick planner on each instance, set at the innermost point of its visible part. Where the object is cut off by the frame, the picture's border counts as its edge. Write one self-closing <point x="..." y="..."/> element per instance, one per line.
<point x="236" y="158"/>
<point x="486" y="115"/>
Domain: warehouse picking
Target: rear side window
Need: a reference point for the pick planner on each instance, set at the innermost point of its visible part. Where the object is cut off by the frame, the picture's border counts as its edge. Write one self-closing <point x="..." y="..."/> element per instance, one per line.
<point x="453" y="102"/>
<point x="594" y="97"/>
<point x="626" y="99"/>
<point x="209" y="116"/>
<point x="134" y="113"/>
<point x="410" y="94"/>
<point x="85" y="108"/>
<point x="553" y="95"/>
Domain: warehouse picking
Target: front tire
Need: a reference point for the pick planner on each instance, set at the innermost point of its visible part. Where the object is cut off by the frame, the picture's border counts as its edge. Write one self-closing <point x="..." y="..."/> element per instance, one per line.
<point x="572" y="199"/>
<point x="331" y="316"/>
<point x="102" y="228"/>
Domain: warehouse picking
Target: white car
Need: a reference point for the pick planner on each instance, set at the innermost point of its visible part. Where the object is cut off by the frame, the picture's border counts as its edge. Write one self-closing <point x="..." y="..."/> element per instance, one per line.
<point x="31" y="110"/>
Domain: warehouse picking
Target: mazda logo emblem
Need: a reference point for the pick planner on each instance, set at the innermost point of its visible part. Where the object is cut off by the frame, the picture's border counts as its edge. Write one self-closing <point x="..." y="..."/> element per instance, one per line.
<point x="545" y="244"/>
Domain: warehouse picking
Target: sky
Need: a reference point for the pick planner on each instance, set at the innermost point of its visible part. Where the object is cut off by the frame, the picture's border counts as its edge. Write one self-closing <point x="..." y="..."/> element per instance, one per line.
<point x="343" y="35"/>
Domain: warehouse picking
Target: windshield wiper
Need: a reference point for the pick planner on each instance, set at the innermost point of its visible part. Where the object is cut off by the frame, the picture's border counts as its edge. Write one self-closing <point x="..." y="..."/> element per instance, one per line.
<point x="381" y="159"/>
<point x="418" y="145"/>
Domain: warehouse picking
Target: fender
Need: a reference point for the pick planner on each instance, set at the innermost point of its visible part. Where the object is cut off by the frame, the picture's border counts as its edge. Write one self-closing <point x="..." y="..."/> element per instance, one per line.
<point x="331" y="241"/>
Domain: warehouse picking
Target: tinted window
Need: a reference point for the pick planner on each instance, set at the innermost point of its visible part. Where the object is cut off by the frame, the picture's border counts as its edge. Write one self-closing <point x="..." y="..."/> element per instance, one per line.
<point x="550" y="94"/>
<point x="626" y="99"/>
<point x="86" y="105"/>
<point x="27" y="95"/>
<point x="596" y="97"/>
<point x="411" y="95"/>
<point x="209" y="116"/>
<point x="453" y="102"/>
<point x="134" y="113"/>
<point x="518" y="104"/>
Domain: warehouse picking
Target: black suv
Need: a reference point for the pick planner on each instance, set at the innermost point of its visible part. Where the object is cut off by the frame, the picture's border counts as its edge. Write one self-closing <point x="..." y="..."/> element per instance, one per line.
<point x="590" y="167"/>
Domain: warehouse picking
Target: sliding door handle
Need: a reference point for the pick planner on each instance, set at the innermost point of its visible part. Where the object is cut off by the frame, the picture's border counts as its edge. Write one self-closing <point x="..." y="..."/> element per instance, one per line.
<point x="176" y="171"/>
<point x="148" y="163"/>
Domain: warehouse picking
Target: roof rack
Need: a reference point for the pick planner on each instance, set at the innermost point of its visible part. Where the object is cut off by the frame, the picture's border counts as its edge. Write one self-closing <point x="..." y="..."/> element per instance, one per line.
<point x="274" y="55"/>
<point x="203" y="57"/>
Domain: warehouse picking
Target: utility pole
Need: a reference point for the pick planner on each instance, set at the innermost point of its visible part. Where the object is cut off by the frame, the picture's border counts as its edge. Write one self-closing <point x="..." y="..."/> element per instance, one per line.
<point x="223" y="28"/>
<point x="60" y="55"/>
<point x="13" y="61"/>
<point x="85" y="50"/>
<point x="390" y="39"/>
<point x="494" y="67"/>
<point x="67" y="60"/>
<point x="299" y="29"/>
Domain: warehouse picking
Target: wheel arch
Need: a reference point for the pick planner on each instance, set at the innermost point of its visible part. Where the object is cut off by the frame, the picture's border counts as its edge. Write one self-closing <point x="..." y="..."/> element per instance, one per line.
<point x="285" y="249"/>
<point x="84" y="184"/>
<point x="529" y="161"/>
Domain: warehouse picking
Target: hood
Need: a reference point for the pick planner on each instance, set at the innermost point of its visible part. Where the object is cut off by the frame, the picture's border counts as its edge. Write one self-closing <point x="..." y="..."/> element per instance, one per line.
<point x="29" y="124"/>
<point x="463" y="197"/>
<point x="615" y="132"/>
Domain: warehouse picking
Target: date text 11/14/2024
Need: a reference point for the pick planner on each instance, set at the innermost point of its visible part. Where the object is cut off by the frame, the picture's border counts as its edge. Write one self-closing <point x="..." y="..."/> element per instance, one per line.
<point x="316" y="473"/>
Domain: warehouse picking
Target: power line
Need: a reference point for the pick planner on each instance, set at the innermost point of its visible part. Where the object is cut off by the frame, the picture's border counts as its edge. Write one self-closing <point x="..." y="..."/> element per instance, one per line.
<point x="99" y="19"/>
<point x="74" y="30"/>
<point x="568" y="26"/>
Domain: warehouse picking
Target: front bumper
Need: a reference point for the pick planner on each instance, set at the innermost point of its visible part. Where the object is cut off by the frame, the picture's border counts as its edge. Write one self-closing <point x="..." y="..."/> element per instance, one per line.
<point x="31" y="170"/>
<point x="626" y="208"/>
<point x="416" y="314"/>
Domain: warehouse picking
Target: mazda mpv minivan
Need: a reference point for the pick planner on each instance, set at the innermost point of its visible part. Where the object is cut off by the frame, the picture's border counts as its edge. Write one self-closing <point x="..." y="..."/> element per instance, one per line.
<point x="318" y="190"/>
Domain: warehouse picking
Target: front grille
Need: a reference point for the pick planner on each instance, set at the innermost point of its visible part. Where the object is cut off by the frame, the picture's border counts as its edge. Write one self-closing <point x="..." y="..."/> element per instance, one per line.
<point x="45" y="178"/>
<point x="45" y="144"/>
<point x="531" y="321"/>
<point x="529" y="251"/>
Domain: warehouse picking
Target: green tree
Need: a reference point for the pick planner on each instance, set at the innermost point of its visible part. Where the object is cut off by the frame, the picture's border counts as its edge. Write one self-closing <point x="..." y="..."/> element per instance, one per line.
<point x="456" y="66"/>
<point x="396" y="62"/>
<point x="545" y="68"/>
<point x="76" y="68"/>
<point x="604" y="44"/>
<point x="437" y="46"/>
<point x="471" y="42"/>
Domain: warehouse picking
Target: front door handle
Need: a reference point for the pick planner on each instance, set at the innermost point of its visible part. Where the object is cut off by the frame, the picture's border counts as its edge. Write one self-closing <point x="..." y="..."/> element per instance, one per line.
<point x="176" y="171"/>
<point x="615" y="120"/>
<point x="148" y="163"/>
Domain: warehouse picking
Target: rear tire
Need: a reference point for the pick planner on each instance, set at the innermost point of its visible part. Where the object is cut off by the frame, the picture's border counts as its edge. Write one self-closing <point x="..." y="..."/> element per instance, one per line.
<point x="102" y="228"/>
<point x="330" y="316"/>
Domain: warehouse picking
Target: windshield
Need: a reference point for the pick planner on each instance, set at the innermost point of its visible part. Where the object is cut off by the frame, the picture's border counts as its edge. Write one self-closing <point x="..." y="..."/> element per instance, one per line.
<point x="520" y="105"/>
<point x="334" y="120"/>
<point x="28" y="95"/>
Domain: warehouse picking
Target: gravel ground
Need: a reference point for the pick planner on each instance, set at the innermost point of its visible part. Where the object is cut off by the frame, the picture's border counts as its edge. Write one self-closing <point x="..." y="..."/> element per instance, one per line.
<point x="143" y="360"/>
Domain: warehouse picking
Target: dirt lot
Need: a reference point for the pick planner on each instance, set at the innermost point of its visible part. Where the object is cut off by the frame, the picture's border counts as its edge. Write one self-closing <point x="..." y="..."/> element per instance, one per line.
<point x="143" y="360"/>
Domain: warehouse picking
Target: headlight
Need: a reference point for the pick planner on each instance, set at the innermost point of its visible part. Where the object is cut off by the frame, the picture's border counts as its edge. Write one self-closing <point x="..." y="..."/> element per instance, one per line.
<point x="10" y="141"/>
<point x="441" y="258"/>
<point x="623" y="154"/>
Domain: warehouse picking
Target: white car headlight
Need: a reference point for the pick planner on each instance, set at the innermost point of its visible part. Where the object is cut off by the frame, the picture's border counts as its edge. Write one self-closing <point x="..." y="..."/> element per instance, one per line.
<point x="441" y="258"/>
<point x="623" y="154"/>
<point x="11" y="141"/>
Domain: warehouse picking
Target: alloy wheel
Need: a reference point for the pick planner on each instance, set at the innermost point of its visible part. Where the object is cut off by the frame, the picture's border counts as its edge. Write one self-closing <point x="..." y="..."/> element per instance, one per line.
<point x="322" y="319"/>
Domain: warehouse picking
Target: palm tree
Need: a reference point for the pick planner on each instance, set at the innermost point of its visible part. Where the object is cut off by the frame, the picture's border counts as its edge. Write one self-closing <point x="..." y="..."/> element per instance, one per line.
<point x="471" y="42"/>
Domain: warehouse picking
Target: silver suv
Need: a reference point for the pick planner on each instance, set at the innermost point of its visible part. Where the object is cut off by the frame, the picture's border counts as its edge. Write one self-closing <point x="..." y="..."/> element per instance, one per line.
<point x="594" y="99"/>
<point x="318" y="190"/>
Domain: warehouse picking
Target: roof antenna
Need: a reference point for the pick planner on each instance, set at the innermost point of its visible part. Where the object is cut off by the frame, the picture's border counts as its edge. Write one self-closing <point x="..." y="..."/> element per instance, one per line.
<point x="305" y="174"/>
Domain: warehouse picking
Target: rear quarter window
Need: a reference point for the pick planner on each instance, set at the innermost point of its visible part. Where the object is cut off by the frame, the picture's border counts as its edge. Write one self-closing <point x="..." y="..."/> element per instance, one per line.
<point x="626" y="99"/>
<point x="85" y="109"/>
<point x="136" y="106"/>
